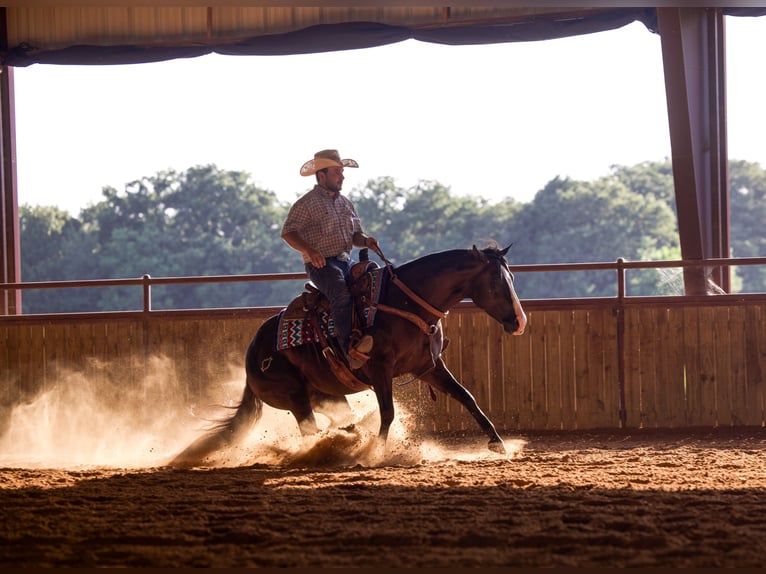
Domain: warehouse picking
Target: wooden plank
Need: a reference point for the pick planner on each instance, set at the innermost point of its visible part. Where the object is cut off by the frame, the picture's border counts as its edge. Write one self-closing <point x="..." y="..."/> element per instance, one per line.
<point x="595" y="387"/>
<point x="7" y="373"/>
<point x="692" y="364"/>
<point x="567" y="369"/>
<point x="671" y="384"/>
<point x="126" y="354"/>
<point x="708" y="379"/>
<point x="647" y="334"/>
<point x="668" y="389"/>
<point x="53" y="351"/>
<point x="236" y="338"/>
<point x="632" y="369"/>
<point x="756" y="361"/>
<point x="609" y="407"/>
<point x="513" y="381"/>
<point x="553" y="369"/>
<point x="657" y="341"/>
<point x="583" y="404"/>
<point x="538" y="334"/>
<point x="36" y="368"/>
<point x="741" y="408"/>
<point x="723" y="367"/>
<point x="30" y="383"/>
<point x="523" y="345"/>
<point x="476" y="365"/>
<point x="14" y="391"/>
<point x="76" y="350"/>
<point x="196" y="356"/>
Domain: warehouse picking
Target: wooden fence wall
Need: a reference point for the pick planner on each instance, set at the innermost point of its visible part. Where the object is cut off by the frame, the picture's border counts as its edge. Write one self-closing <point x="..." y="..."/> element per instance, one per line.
<point x="585" y="367"/>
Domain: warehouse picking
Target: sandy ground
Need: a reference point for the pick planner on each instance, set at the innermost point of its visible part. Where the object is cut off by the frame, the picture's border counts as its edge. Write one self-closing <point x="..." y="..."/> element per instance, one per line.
<point x="640" y="498"/>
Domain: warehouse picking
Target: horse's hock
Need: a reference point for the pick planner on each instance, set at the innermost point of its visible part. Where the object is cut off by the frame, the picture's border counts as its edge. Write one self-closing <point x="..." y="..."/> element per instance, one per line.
<point x="584" y="367"/>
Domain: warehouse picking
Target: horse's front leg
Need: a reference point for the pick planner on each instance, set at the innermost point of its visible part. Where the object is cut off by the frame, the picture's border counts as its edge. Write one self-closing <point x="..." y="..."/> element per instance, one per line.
<point x="441" y="378"/>
<point x="381" y="380"/>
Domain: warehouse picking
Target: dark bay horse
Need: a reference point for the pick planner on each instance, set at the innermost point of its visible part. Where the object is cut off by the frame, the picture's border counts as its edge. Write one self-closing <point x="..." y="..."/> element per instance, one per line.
<point x="408" y="339"/>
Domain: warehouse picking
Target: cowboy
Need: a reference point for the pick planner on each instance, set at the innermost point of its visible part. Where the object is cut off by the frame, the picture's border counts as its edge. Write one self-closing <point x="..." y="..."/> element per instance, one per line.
<point x="324" y="227"/>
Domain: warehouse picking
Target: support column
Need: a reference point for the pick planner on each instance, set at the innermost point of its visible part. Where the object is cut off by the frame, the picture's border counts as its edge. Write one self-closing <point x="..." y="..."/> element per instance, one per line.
<point x="694" y="58"/>
<point x="10" y="254"/>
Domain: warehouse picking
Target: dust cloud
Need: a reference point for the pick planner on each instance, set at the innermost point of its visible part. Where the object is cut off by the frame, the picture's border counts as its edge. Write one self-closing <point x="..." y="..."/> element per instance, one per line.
<point x="87" y="420"/>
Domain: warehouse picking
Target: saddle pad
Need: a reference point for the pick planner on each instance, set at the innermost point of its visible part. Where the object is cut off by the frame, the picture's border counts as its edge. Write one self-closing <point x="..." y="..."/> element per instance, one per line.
<point x="293" y="332"/>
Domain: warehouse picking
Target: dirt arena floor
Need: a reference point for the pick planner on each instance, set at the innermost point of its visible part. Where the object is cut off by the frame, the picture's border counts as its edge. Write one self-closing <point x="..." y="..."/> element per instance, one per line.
<point x="619" y="498"/>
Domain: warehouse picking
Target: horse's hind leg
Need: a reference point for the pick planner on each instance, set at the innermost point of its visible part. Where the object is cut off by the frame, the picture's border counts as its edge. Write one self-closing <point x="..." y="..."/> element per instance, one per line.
<point x="442" y="379"/>
<point x="287" y="394"/>
<point x="306" y="420"/>
<point x="334" y="407"/>
<point x="277" y="382"/>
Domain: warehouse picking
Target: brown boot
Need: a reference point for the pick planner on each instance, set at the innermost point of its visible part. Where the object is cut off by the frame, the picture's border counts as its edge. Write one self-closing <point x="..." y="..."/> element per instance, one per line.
<point x="358" y="354"/>
<point x="364" y="345"/>
<point x="352" y="362"/>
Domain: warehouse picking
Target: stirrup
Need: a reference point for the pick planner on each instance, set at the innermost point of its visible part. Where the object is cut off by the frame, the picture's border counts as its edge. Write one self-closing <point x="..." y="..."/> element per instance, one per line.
<point x="356" y="359"/>
<point x="364" y="344"/>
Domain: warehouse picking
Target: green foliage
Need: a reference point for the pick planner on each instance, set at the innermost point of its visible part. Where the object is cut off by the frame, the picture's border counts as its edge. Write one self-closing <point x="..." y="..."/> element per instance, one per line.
<point x="427" y="218"/>
<point x="55" y="247"/>
<point x="208" y="222"/>
<point x="202" y="222"/>
<point x="570" y="222"/>
<point x="747" y="182"/>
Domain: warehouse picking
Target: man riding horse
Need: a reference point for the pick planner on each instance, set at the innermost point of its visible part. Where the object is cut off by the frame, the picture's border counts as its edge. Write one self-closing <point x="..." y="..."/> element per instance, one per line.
<point x="324" y="227"/>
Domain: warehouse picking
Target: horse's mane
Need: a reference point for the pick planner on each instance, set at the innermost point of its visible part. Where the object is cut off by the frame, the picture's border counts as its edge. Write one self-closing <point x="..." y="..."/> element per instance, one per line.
<point x="491" y="248"/>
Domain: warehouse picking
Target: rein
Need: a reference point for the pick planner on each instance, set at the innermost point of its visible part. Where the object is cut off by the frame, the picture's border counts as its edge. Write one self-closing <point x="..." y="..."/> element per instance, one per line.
<point x="412" y="295"/>
<point x="428" y="329"/>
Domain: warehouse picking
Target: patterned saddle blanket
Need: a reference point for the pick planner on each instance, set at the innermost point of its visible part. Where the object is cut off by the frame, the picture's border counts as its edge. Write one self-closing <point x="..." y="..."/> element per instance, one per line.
<point x="294" y="331"/>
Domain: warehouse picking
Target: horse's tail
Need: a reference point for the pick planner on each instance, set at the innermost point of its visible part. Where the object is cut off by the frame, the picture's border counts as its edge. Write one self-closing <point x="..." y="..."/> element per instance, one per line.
<point x="226" y="433"/>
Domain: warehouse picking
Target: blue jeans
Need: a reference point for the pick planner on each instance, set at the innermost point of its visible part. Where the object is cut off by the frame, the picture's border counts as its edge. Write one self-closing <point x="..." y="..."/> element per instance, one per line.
<point x="331" y="280"/>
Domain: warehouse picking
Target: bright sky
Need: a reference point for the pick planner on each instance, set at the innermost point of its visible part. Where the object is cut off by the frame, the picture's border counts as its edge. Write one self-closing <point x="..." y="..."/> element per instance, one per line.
<point x="493" y="121"/>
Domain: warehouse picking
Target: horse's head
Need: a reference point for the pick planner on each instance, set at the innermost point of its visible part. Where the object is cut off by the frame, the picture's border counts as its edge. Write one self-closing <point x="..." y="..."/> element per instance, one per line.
<point x="492" y="289"/>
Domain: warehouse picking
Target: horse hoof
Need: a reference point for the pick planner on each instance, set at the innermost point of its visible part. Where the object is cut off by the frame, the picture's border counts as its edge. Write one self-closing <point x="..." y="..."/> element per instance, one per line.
<point x="497" y="446"/>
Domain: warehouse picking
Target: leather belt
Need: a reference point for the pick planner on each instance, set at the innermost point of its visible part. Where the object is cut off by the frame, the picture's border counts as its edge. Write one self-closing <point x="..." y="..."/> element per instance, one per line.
<point x="343" y="256"/>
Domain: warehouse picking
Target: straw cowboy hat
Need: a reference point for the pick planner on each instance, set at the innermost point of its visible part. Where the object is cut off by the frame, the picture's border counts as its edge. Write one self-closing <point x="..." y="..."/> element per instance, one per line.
<point x="326" y="158"/>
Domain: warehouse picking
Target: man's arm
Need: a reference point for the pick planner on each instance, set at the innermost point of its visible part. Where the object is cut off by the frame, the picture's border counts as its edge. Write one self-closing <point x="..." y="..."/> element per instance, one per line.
<point x="360" y="239"/>
<point x="294" y="240"/>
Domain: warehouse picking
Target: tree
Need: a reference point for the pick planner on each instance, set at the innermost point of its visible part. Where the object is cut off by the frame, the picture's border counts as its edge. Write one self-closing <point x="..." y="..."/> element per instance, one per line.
<point x="205" y="221"/>
<point x="652" y="179"/>
<point x="747" y="184"/>
<point x="208" y="221"/>
<point x="570" y="222"/>
<point x="54" y="247"/>
<point x="427" y="218"/>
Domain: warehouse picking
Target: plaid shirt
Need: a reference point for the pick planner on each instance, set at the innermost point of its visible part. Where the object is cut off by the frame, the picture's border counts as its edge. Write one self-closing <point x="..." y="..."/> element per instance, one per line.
<point x="326" y="223"/>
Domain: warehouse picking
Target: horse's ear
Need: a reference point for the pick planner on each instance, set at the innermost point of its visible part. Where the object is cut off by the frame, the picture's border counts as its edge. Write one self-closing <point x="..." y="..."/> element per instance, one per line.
<point x="480" y="254"/>
<point x="505" y="251"/>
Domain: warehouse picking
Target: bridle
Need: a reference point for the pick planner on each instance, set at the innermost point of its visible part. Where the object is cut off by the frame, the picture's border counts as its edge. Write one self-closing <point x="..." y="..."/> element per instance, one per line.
<point x="428" y="329"/>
